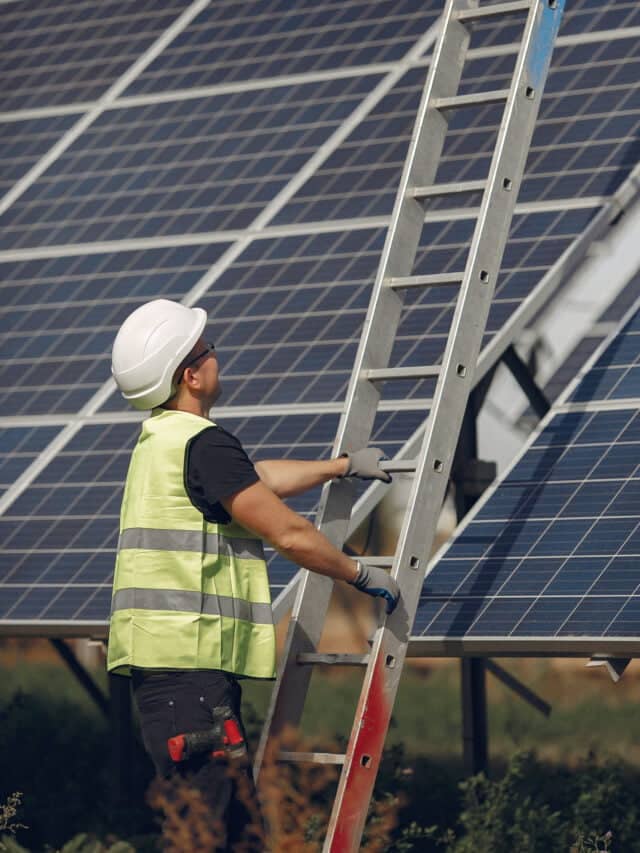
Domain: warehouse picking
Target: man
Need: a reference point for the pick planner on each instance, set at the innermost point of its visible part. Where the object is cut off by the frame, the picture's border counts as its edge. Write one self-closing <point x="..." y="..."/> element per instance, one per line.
<point x="191" y="609"/>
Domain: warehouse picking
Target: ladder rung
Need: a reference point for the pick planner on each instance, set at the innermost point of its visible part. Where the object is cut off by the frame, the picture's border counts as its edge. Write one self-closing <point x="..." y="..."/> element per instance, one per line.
<point x="312" y="757"/>
<point x="378" y="374"/>
<point x="333" y="658"/>
<point x="398" y="465"/>
<point x="481" y="12"/>
<point x="477" y="99"/>
<point x="424" y="280"/>
<point x="410" y="404"/>
<point x="447" y="189"/>
<point x="382" y="562"/>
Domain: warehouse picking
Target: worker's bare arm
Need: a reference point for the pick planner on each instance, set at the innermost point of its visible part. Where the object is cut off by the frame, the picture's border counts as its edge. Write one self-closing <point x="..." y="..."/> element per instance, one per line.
<point x="287" y="477"/>
<point x="260" y="510"/>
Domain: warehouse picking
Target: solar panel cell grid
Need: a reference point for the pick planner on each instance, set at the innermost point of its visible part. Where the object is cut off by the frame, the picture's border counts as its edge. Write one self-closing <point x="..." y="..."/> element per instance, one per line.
<point x="585" y="142"/>
<point x="19" y="447"/>
<point x="550" y="554"/>
<point x="61" y="53"/>
<point x="61" y="533"/>
<point x="59" y="317"/>
<point x="22" y="144"/>
<point x="579" y="17"/>
<point x="616" y="375"/>
<point x="286" y="316"/>
<point x="228" y="42"/>
<point x="187" y="166"/>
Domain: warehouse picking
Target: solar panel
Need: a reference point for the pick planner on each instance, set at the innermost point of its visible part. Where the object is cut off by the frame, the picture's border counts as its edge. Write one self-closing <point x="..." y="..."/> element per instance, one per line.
<point x="287" y="315"/>
<point x="229" y="42"/>
<point x="61" y="52"/>
<point x="194" y="165"/>
<point x="60" y="535"/>
<point x="584" y="143"/>
<point x="18" y="448"/>
<point x="59" y="316"/>
<point x="616" y="374"/>
<point x="23" y="143"/>
<point x="548" y="559"/>
<point x="585" y="348"/>
<point x="264" y="200"/>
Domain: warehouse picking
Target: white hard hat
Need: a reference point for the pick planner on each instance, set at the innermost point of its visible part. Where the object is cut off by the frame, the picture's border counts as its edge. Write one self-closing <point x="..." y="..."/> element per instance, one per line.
<point x="149" y="347"/>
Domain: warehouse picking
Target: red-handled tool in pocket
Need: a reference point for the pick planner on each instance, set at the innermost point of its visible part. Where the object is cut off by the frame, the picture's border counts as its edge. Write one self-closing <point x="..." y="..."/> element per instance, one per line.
<point x="223" y="739"/>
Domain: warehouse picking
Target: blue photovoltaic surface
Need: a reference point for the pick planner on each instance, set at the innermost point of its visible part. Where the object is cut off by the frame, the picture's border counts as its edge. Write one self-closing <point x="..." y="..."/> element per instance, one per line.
<point x="65" y="52"/>
<point x="59" y="317"/>
<point x="586" y="347"/>
<point x="586" y="141"/>
<point x="579" y="17"/>
<point x="22" y="144"/>
<point x="59" y="537"/>
<point x="286" y="317"/>
<point x="195" y="165"/>
<point x="553" y="552"/>
<point x="19" y="447"/>
<point x="616" y="374"/>
<point x="229" y="42"/>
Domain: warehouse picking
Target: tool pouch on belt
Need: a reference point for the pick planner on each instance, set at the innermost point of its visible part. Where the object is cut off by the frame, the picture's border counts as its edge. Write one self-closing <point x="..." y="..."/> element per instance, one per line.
<point x="223" y="740"/>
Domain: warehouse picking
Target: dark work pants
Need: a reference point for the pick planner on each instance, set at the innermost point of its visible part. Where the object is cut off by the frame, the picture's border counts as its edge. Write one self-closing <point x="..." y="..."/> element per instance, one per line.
<point x="176" y="702"/>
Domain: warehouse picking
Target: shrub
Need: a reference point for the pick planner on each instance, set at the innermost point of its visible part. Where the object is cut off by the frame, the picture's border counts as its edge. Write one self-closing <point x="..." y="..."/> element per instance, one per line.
<point x="540" y="808"/>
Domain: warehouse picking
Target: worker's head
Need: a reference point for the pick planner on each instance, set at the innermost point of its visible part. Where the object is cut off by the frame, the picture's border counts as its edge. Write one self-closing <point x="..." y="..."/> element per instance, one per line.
<point x="160" y="358"/>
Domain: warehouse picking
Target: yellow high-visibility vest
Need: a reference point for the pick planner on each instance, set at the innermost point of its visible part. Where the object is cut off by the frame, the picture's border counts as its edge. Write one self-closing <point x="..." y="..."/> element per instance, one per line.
<point x="187" y="593"/>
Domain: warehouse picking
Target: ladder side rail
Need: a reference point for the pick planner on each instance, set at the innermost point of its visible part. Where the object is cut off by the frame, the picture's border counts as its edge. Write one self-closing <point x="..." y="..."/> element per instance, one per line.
<point x="418" y="530"/>
<point x="383" y="315"/>
<point x="403" y="235"/>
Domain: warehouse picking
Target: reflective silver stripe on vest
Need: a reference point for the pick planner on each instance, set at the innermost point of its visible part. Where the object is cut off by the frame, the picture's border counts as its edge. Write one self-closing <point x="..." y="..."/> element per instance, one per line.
<point x="149" y="539"/>
<point x="192" y="602"/>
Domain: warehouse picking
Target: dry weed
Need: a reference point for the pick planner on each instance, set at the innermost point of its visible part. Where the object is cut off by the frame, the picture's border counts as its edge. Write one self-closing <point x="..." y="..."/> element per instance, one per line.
<point x="297" y="800"/>
<point x="295" y="803"/>
<point x="187" y="822"/>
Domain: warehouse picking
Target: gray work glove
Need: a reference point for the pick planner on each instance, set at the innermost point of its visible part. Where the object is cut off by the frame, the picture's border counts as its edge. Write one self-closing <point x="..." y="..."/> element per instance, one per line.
<point x="378" y="583"/>
<point x="365" y="465"/>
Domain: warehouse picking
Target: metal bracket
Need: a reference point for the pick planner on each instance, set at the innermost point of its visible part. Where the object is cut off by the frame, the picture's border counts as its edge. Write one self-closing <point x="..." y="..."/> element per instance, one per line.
<point x="474" y="476"/>
<point x="523" y="376"/>
<point x="67" y="655"/>
<point x="518" y="687"/>
<point x="615" y="666"/>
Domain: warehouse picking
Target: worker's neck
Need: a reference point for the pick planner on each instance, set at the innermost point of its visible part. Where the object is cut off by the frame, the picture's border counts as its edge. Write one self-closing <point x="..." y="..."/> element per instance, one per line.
<point x="190" y="404"/>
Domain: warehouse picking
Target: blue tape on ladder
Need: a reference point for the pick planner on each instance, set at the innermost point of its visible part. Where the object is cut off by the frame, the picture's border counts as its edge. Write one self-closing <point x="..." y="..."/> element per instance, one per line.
<point x="542" y="42"/>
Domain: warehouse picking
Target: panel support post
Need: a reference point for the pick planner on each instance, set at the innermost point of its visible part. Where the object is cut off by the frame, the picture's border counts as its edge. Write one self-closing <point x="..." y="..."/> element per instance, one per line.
<point x="467" y="475"/>
<point x="523" y="376"/>
<point x="122" y="745"/>
<point x="475" y="736"/>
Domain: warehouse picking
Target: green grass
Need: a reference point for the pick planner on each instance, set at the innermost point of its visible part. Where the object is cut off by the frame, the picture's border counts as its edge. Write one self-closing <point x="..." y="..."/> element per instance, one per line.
<point x="589" y="712"/>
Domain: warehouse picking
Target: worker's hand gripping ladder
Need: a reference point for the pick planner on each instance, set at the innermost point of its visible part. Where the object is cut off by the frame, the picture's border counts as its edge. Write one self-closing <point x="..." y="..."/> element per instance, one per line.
<point x="454" y="381"/>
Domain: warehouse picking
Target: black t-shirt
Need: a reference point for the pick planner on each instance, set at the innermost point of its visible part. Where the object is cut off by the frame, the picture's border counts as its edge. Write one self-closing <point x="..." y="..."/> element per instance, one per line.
<point x="215" y="467"/>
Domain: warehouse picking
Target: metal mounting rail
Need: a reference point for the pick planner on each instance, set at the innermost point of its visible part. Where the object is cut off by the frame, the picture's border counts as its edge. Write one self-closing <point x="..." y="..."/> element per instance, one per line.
<point x="541" y="19"/>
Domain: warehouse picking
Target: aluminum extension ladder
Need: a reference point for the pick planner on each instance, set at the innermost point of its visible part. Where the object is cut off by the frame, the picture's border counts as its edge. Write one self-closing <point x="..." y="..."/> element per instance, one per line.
<point x="476" y="284"/>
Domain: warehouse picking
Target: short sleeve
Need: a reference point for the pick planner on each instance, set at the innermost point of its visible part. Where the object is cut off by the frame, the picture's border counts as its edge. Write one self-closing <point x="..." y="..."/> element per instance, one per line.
<point x="216" y="466"/>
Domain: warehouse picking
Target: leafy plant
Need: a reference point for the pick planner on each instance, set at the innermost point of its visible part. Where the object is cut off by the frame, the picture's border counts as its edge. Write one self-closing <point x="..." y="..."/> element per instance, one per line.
<point x="593" y="843"/>
<point x="8" y="824"/>
<point x="540" y="808"/>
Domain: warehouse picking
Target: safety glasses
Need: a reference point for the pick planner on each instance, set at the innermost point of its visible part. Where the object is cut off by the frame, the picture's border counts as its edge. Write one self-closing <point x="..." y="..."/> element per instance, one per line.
<point x="209" y="349"/>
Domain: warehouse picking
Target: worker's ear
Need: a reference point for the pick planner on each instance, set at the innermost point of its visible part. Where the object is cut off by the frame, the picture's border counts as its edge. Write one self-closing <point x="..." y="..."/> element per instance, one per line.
<point x="191" y="379"/>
